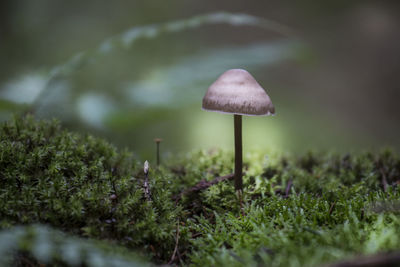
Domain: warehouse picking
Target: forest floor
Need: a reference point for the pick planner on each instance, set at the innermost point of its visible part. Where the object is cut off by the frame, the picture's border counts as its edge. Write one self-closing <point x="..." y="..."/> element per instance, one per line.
<point x="71" y="199"/>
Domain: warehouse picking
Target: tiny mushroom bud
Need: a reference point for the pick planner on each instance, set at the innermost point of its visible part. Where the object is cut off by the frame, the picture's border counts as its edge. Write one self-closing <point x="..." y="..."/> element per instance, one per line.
<point x="237" y="92"/>
<point x="146" y="181"/>
<point x="146" y="167"/>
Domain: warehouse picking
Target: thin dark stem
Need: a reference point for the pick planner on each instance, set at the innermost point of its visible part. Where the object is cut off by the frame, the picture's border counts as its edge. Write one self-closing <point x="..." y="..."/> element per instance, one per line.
<point x="158" y="153"/>
<point x="158" y="141"/>
<point x="176" y="251"/>
<point x="331" y="208"/>
<point x="238" y="152"/>
<point x="288" y="187"/>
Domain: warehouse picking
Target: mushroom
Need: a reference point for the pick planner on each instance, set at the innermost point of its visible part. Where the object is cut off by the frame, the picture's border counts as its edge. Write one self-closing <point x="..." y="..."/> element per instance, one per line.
<point x="237" y="92"/>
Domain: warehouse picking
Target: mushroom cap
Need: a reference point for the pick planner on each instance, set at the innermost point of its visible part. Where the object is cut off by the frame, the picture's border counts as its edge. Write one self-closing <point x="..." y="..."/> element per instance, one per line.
<point x="237" y="92"/>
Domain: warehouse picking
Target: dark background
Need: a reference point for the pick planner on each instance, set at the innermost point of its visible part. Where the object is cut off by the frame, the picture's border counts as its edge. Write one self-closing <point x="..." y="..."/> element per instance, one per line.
<point x="334" y="80"/>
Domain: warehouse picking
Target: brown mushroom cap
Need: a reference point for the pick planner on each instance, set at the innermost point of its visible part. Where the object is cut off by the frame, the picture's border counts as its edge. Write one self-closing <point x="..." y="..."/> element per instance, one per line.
<point x="237" y="92"/>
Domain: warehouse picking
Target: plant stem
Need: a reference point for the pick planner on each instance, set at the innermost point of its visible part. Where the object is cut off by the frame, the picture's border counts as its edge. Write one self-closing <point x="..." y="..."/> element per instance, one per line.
<point x="158" y="141"/>
<point x="238" y="152"/>
<point x="158" y="153"/>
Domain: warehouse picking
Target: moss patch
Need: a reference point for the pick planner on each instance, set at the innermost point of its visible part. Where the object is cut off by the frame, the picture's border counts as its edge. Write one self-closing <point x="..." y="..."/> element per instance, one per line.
<point x="308" y="210"/>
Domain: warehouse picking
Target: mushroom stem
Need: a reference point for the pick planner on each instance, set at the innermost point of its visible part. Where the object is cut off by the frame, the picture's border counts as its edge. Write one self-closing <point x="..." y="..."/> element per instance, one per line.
<point x="238" y="152"/>
<point x="158" y="153"/>
<point x="158" y="141"/>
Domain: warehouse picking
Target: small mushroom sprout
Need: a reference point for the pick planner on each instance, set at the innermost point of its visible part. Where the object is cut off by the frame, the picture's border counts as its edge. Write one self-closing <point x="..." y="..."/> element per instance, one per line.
<point x="146" y="185"/>
<point x="237" y="92"/>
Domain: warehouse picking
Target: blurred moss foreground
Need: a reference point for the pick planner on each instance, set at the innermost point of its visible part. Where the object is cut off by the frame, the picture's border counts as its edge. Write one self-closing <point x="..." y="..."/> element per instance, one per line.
<point x="298" y="211"/>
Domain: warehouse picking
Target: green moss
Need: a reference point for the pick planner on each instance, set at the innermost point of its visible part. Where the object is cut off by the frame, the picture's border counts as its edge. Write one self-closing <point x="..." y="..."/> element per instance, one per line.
<point x="299" y="211"/>
<point x="65" y="180"/>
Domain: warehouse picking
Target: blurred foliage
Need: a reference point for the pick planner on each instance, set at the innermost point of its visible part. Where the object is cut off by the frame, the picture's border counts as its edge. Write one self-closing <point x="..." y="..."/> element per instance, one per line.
<point x="142" y="72"/>
<point x="38" y="244"/>
<point x="117" y="88"/>
<point x="126" y="40"/>
<point x="298" y="211"/>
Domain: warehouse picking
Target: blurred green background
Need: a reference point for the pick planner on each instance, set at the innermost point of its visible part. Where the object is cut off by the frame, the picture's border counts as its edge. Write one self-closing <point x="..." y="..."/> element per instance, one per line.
<point x="135" y="70"/>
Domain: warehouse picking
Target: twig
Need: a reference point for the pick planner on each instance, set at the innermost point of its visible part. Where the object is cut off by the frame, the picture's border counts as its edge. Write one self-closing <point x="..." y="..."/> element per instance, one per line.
<point x="203" y="184"/>
<point x="196" y="235"/>
<point x="288" y="187"/>
<point x="331" y="208"/>
<point x="176" y="245"/>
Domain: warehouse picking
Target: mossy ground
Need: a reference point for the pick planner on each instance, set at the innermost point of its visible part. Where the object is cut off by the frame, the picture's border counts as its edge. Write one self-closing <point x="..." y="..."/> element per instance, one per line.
<point x="298" y="211"/>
